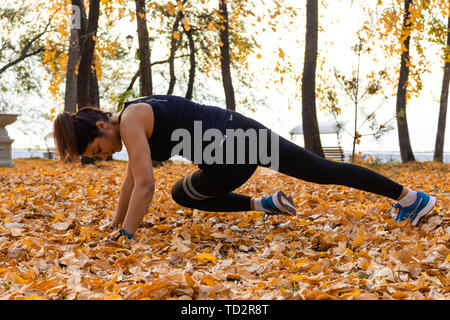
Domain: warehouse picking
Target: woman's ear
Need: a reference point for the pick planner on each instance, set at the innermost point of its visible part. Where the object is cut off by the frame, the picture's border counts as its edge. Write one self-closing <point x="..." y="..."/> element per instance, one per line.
<point x="101" y="124"/>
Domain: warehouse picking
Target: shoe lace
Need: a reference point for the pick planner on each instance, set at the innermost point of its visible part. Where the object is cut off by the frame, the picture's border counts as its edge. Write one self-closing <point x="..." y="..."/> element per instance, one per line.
<point x="266" y="215"/>
<point x="395" y="205"/>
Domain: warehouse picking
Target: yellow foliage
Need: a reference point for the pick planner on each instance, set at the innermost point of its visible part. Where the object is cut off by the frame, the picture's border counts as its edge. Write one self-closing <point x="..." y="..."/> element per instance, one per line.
<point x="55" y="218"/>
<point x="186" y="24"/>
<point x="206" y="257"/>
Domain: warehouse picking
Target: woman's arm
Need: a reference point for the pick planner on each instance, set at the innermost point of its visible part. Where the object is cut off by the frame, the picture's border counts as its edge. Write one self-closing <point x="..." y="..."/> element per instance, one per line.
<point x="133" y="134"/>
<point x="140" y="200"/>
<point x="124" y="199"/>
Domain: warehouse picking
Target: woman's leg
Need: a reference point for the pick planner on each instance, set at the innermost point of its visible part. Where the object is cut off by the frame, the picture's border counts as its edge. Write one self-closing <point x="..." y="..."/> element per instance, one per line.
<point x="299" y="163"/>
<point x="210" y="189"/>
<point x="302" y="164"/>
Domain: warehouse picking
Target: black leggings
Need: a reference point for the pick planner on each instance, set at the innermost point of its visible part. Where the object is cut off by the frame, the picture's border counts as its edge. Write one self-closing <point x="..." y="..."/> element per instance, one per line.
<point x="210" y="188"/>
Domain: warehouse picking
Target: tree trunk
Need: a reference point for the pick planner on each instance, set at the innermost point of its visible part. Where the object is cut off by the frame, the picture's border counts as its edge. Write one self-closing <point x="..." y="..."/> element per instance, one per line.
<point x="87" y="83"/>
<point x="173" y="48"/>
<point x="403" y="133"/>
<point x="225" y="55"/>
<point x="85" y="71"/>
<point x="309" y="117"/>
<point x="94" y="94"/>
<point x="190" y="87"/>
<point x="70" y="96"/>
<point x="145" y="74"/>
<point x="439" y="148"/>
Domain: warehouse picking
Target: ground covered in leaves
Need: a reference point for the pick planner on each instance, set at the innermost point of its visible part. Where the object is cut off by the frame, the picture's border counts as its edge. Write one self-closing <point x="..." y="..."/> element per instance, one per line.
<point x="342" y="245"/>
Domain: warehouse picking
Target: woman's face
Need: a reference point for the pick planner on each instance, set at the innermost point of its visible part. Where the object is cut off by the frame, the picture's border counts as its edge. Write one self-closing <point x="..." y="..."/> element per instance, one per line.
<point x="105" y="145"/>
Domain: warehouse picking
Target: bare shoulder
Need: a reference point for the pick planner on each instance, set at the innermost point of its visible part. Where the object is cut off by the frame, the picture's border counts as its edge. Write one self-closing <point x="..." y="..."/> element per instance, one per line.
<point x="138" y="115"/>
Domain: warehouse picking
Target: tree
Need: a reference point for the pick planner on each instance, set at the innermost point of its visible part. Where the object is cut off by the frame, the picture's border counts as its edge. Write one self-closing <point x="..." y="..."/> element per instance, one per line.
<point x="21" y="48"/>
<point x="175" y="42"/>
<point x="87" y="85"/>
<point x="87" y="82"/>
<point x="403" y="28"/>
<point x="194" y="45"/>
<point x="70" y="96"/>
<point x="309" y="115"/>
<point x="402" y="124"/>
<point x="192" y="52"/>
<point x="22" y="45"/>
<point x="145" y="70"/>
<point x="225" y="62"/>
<point x="31" y="47"/>
<point x="359" y="91"/>
<point x="439" y="147"/>
<point x="192" y="61"/>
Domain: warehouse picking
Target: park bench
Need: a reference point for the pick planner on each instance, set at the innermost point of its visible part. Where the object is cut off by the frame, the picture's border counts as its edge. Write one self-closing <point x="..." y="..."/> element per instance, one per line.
<point x="51" y="154"/>
<point x="334" y="153"/>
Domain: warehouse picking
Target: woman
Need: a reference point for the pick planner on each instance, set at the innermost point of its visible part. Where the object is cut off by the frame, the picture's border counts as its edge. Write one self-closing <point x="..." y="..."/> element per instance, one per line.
<point x="150" y="128"/>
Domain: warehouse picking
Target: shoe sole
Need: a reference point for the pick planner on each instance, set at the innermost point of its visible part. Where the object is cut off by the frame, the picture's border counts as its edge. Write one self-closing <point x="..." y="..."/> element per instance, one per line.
<point x="285" y="202"/>
<point x="427" y="209"/>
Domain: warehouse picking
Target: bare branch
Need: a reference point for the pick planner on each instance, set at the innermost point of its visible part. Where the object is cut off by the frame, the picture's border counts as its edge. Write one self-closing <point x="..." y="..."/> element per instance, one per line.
<point x="24" y="52"/>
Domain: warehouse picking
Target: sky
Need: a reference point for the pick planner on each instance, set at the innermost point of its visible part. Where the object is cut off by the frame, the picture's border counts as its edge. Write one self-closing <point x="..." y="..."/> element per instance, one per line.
<point x="340" y="22"/>
<point x="422" y="112"/>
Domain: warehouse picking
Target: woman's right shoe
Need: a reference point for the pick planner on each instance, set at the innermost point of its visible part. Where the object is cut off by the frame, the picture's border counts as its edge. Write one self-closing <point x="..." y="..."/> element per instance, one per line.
<point x="416" y="211"/>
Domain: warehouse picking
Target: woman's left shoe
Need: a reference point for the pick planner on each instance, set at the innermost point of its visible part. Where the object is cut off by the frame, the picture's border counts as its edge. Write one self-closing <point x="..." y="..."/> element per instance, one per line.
<point x="416" y="211"/>
<point x="279" y="203"/>
<point x="276" y="204"/>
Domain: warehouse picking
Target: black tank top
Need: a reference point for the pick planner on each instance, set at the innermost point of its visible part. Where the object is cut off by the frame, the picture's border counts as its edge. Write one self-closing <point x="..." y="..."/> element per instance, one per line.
<point x="171" y="113"/>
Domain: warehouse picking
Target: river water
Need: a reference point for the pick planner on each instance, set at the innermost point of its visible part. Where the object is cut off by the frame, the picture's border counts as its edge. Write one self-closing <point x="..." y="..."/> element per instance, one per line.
<point x="383" y="157"/>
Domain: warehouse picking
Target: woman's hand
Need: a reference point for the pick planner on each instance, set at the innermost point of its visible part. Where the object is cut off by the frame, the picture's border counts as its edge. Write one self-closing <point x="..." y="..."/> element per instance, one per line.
<point x="124" y="199"/>
<point x="123" y="234"/>
<point x="134" y="136"/>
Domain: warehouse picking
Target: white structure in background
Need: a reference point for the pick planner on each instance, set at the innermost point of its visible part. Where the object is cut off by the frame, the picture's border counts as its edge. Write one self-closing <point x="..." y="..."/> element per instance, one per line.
<point x="324" y="128"/>
<point x="330" y="152"/>
<point x="5" y="140"/>
<point x="50" y="153"/>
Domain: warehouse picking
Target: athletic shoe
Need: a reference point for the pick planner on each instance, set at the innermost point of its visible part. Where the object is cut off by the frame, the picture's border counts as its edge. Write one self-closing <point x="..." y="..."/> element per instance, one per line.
<point x="419" y="209"/>
<point x="279" y="203"/>
<point x="276" y="204"/>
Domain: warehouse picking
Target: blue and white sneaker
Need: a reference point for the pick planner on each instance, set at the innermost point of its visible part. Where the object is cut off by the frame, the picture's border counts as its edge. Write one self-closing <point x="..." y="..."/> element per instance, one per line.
<point x="419" y="209"/>
<point x="279" y="203"/>
<point x="276" y="204"/>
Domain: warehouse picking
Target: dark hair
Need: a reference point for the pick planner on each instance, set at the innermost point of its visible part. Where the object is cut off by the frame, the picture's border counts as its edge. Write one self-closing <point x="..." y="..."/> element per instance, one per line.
<point x="73" y="132"/>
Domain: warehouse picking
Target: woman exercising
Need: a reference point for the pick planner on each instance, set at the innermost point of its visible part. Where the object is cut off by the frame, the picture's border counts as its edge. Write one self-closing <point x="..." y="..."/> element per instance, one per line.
<point x="152" y="128"/>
